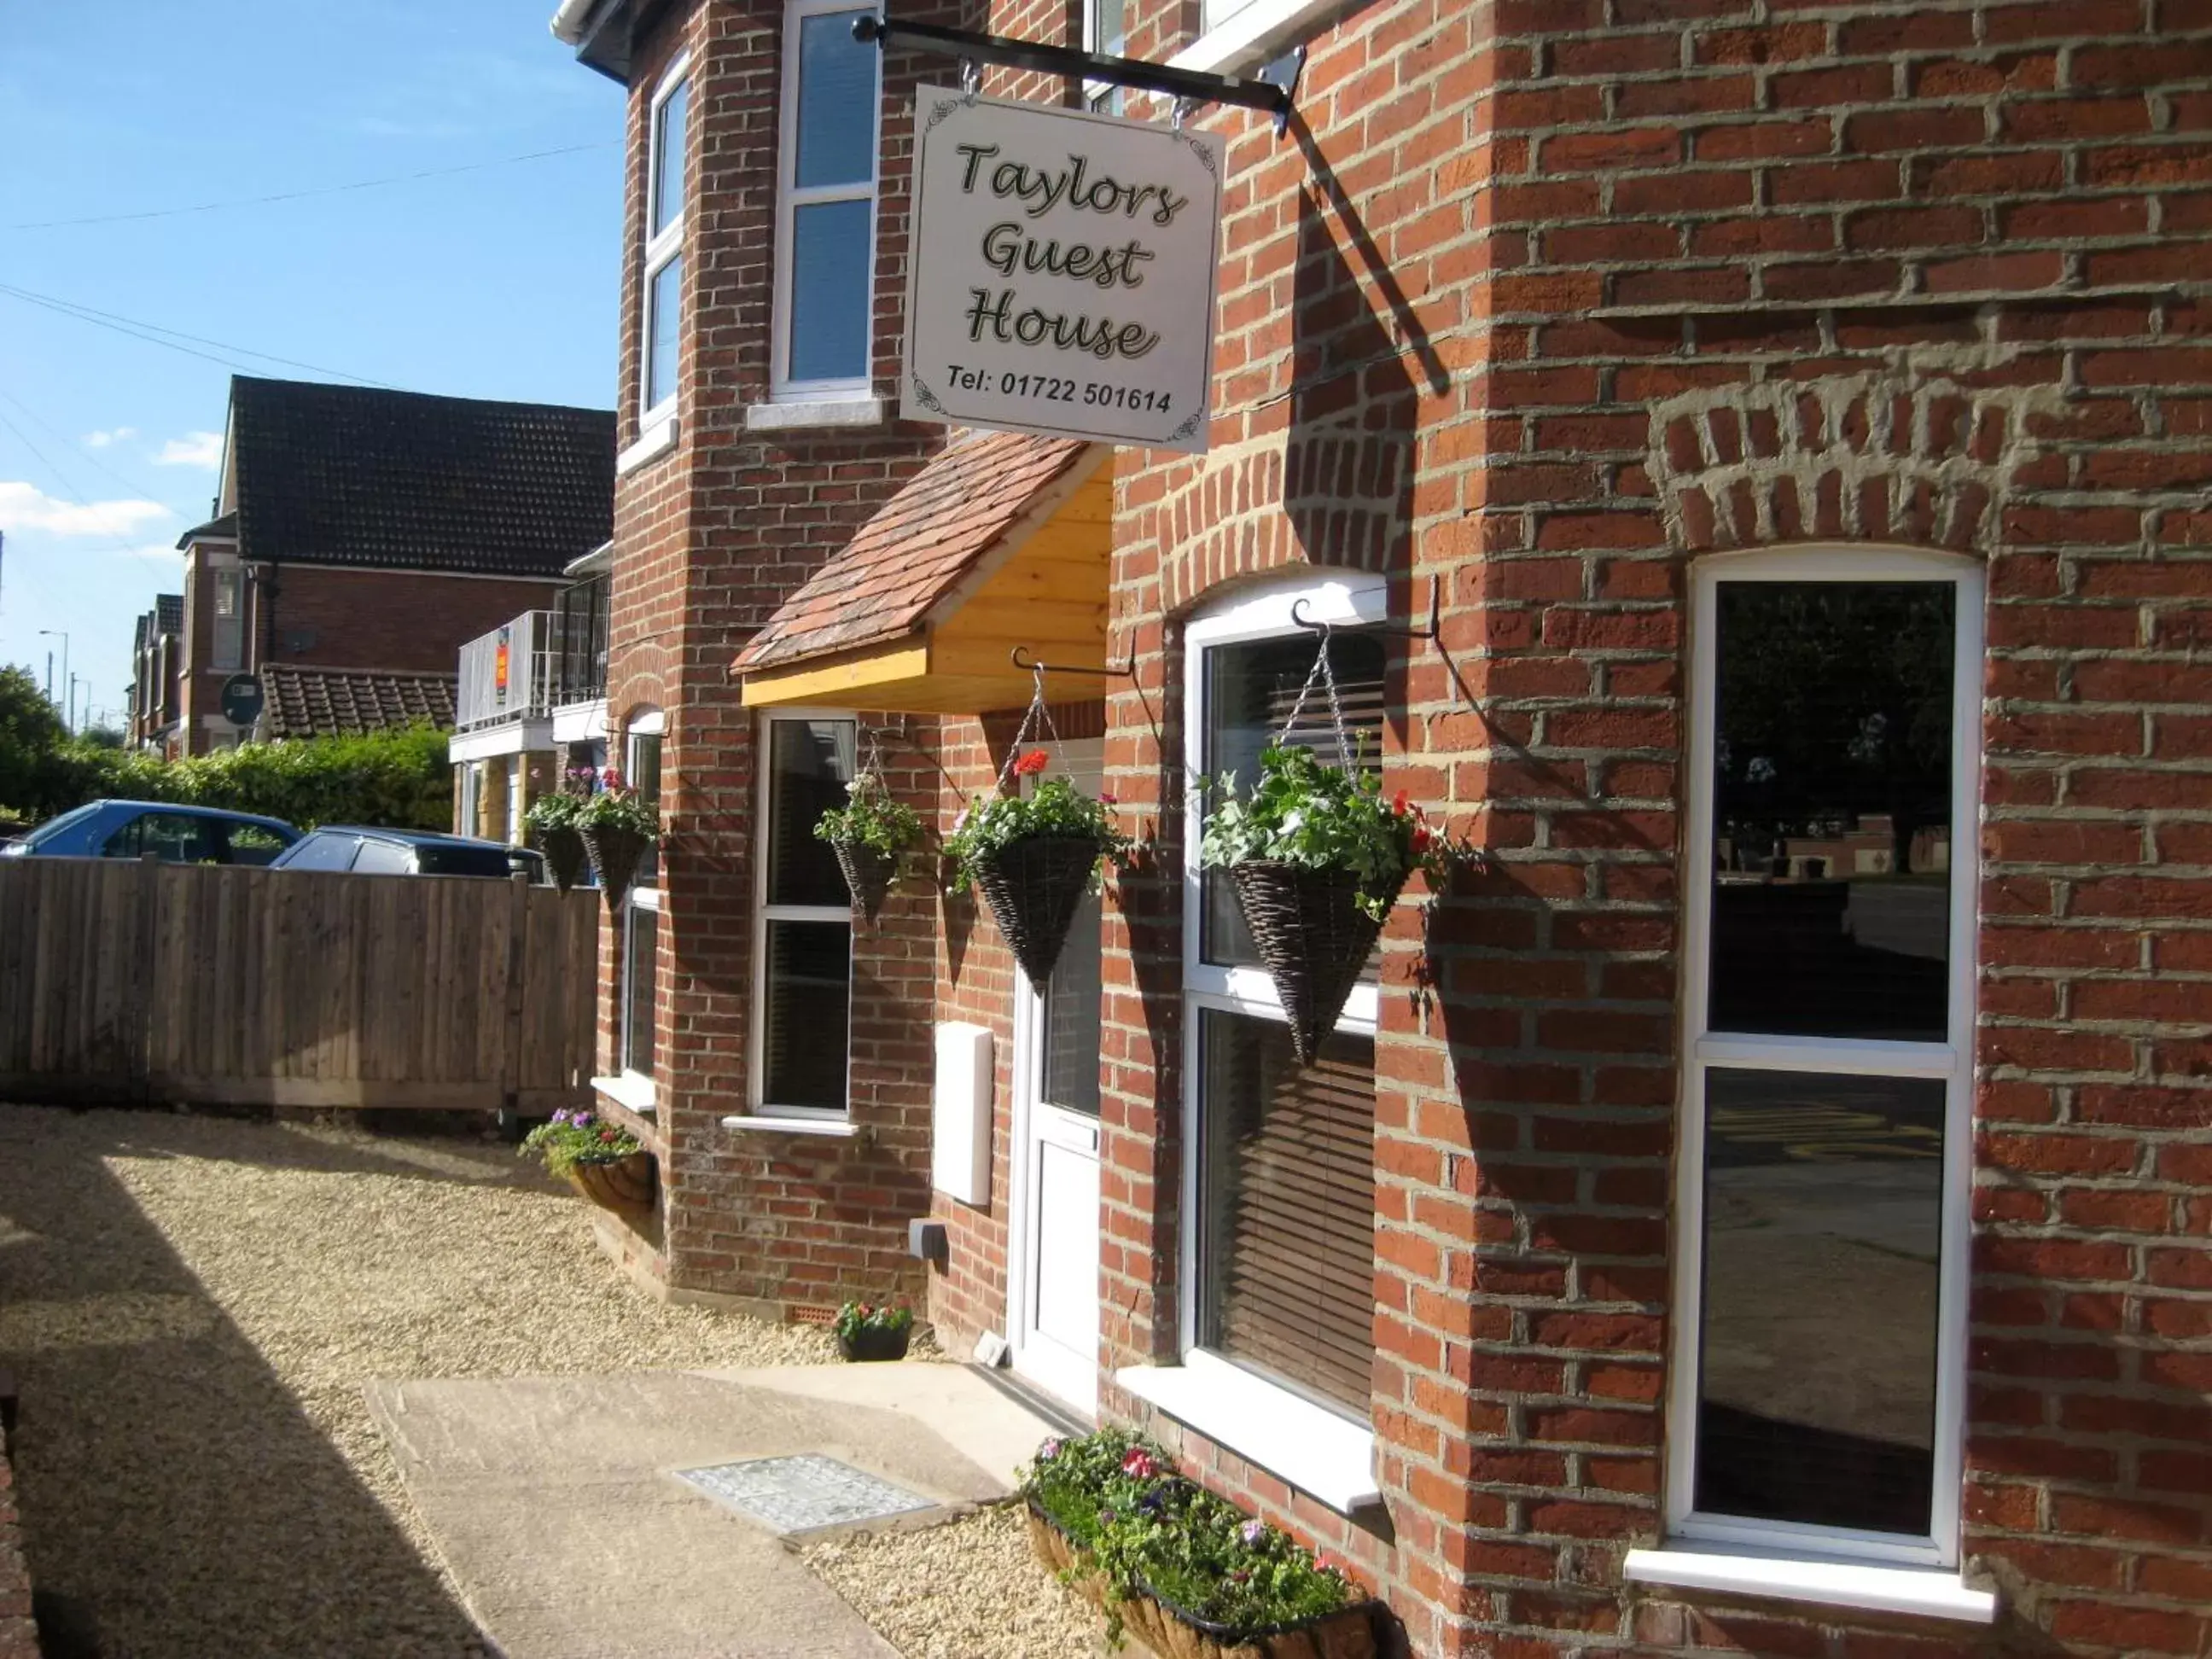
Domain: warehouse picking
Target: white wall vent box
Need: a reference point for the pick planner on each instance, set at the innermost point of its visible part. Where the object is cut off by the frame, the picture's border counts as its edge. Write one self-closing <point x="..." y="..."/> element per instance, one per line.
<point x="960" y="1114"/>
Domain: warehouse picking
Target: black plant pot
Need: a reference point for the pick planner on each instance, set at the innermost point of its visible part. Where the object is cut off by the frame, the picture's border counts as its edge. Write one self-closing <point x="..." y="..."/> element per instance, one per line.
<point x="565" y="856"/>
<point x="1314" y="938"/>
<point x="1033" y="888"/>
<point x="873" y="1343"/>
<point x="868" y="873"/>
<point x="616" y="852"/>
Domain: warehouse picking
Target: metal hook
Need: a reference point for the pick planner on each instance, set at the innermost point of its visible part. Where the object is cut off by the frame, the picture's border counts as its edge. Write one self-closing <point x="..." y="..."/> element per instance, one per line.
<point x="1113" y="670"/>
<point x="1431" y="632"/>
<point x="1184" y="109"/>
<point x="971" y="76"/>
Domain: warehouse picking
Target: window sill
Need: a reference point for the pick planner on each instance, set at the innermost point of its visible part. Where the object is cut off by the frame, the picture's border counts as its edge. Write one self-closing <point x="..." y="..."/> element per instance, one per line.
<point x="627" y="1089"/>
<point x="828" y="412"/>
<point x="836" y="1129"/>
<point x="1931" y="1592"/>
<point x="1249" y="37"/>
<point x="1319" y="1453"/>
<point x="652" y="444"/>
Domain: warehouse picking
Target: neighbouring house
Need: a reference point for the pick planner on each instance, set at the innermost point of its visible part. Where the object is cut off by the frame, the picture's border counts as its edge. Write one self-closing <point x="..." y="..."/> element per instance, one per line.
<point x="1750" y="465"/>
<point x="362" y="536"/>
<point x="533" y="704"/>
<point x="156" y="655"/>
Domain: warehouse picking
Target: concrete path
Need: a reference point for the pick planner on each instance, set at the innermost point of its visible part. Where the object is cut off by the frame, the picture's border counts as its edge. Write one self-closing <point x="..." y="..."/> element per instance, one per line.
<point x="556" y="1509"/>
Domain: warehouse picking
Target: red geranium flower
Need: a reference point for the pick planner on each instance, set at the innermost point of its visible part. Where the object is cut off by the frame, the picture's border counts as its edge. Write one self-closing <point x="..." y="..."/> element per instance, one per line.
<point x="610" y="1134"/>
<point x="1031" y="763"/>
<point x="1140" y="1463"/>
<point x="1398" y="804"/>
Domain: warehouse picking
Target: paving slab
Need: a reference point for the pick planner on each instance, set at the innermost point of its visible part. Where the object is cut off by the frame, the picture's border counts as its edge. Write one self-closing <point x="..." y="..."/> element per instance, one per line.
<point x="557" y="1506"/>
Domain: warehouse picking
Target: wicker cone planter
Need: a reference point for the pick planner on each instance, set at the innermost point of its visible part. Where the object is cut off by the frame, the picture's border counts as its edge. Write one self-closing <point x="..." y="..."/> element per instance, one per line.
<point x="1033" y="888"/>
<point x="868" y="873"/>
<point x="565" y="856"/>
<point x="625" y="1185"/>
<point x="1169" y="1631"/>
<point x="1313" y="937"/>
<point x="616" y="854"/>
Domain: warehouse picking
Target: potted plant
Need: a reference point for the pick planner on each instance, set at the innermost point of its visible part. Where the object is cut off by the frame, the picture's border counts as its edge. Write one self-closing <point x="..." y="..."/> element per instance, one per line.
<point x="871" y="834"/>
<point x="1196" y="1576"/>
<point x="601" y="1160"/>
<point x="1317" y="857"/>
<point x="552" y="821"/>
<point x="1034" y="856"/>
<point x="874" y="1330"/>
<point x="617" y="824"/>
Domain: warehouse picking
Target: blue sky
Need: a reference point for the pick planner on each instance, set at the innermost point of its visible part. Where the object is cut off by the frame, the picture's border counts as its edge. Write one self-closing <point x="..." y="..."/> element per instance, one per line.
<point x="496" y="283"/>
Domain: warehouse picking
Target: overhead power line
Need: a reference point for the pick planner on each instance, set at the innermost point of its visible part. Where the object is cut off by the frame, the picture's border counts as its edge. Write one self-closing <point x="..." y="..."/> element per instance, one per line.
<point x="151" y="334"/>
<point x="303" y="195"/>
<point x="68" y="487"/>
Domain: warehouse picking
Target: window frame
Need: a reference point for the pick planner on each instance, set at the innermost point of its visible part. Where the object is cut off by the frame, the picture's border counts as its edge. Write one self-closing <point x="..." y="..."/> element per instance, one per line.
<point x="756" y="1102"/>
<point x="226" y="656"/>
<point x="1348" y="600"/>
<point x="645" y="724"/>
<point x="789" y="199"/>
<point x="1952" y="1060"/>
<point x="664" y="246"/>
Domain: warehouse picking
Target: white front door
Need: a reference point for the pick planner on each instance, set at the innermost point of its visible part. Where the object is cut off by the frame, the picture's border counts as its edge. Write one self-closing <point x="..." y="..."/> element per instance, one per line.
<point x="1052" y="1322"/>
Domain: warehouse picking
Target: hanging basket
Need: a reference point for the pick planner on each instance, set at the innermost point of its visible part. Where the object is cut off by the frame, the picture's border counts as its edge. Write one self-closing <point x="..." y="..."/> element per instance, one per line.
<point x="624" y="1185"/>
<point x="1033" y="888"/>
<point x="868" y="872"/>
<point x="565" y="857"/>
<point x="614" y="854"/>
<point x="1313" y="937"/>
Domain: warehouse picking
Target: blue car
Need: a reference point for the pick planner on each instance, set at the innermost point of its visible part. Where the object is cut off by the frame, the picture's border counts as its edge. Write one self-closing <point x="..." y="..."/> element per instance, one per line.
<point x="162" y="829"/>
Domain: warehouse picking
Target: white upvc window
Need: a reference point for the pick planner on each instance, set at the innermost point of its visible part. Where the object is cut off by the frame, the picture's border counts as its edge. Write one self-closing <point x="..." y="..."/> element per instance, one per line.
<point x="667" y="188"/>
<point x="1818" y="1381"/>
<point x="802" y="981"/>
<point x="1105" y="30"/>
<point x="1277" y="1251"/>
<point x="227" y="646"/>
<point x="825" y="228"/>
<point x="641" y="907"/>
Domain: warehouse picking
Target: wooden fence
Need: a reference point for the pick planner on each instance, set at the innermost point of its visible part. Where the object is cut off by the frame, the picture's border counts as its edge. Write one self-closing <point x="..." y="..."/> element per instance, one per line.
<point x="144" y="981"/>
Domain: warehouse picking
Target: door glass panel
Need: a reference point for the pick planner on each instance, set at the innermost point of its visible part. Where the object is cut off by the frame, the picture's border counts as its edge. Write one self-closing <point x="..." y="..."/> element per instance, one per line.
<point x="1832" y="809"/>
<point x="830" y="271"/>
<point x="809" y="980"/>
<point x="810" y="762"/>
<point x="1071" y="1017"/>
<point x="1250" y="691"/>
<point x="1822" y="1263"/>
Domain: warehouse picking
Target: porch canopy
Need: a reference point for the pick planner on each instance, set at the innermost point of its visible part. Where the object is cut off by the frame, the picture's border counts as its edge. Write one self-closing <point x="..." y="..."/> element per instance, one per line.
<point x="1001" y="541"/>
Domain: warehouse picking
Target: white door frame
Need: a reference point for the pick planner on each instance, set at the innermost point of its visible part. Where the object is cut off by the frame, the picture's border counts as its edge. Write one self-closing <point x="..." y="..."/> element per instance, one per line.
<point x="1043" y="1361"/>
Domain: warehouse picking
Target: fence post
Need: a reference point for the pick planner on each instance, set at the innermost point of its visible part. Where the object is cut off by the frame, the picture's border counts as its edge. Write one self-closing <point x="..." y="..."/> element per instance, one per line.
<point x="518" y="967"/>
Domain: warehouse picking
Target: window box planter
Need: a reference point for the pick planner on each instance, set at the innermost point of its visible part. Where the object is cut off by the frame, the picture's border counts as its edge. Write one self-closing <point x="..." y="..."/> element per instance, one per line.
<point x="1348" y="1632"/>
<point x="870" y="1344"/>
<point x="624" y="1185"/>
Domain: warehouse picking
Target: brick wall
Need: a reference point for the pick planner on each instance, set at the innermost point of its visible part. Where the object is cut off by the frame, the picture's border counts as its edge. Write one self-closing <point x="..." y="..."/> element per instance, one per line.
<point x="1537" y="302"/>
<point x="412" y="621"/>
<point x="710" y="539"/>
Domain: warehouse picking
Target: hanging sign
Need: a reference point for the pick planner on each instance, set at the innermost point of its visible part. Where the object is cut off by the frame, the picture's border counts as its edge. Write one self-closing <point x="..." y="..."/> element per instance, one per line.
<point x="499" y="661"/>
<point x="1062" y="274"/>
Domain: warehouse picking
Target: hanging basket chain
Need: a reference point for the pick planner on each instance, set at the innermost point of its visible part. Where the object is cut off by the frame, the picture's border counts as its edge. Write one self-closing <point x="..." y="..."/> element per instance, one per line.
<point x="1326" y="675"/>
<point x="1038" y="711"/>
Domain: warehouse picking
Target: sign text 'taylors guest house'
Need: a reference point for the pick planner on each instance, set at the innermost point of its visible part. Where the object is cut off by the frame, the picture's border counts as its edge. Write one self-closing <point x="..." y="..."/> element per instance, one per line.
<point x="1063" y="279"/>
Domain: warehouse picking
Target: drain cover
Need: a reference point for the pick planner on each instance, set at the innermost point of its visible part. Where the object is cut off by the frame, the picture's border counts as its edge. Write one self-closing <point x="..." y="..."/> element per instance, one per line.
<point x="804" y="1493"/>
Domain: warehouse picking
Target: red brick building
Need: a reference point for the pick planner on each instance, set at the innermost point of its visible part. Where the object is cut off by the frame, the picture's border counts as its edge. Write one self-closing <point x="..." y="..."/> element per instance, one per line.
<point x="1769" y="1208"/>
<point x="361" y="535"/>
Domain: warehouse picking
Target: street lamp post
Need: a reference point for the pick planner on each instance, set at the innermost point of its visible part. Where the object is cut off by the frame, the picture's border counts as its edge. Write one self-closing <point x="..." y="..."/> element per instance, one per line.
<point x="63" y="635"/>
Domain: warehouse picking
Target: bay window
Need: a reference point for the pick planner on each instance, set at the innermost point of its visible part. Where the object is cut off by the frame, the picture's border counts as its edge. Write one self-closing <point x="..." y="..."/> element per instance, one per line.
<point x="1822" y="1207"/>
<point x="826" y="203"/>
<point x="662" y="290"/>
<point x="803" y="929"/>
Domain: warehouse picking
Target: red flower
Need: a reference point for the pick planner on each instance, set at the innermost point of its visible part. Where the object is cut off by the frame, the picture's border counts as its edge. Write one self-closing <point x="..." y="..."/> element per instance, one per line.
<point x="1424" y="838"/>
<point x="1105" y="799"/>
<point x="1140" y="1463"/>
<point x="610" y="1134"/>
<point x="1031" y="763"/>
<point x="1398" y="804"/>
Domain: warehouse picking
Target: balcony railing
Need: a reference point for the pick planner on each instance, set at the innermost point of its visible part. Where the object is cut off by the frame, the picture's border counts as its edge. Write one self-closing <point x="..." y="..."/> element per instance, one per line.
<point x="507" y="674"/>
<point x="580" y="622"/>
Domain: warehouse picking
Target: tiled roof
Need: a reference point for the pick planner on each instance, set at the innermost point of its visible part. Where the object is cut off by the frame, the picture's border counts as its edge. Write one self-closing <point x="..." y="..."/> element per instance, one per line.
<point x="169" y="613"/>
<point x="352" y="475"/>
<point x="321" y="702"/>
<point x="223" y="529"/>
<point x="916" y="548"/>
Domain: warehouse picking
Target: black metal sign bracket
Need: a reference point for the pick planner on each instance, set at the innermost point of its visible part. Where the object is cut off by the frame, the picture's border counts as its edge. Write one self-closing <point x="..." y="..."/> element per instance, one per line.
<point x="1272" y="89"/>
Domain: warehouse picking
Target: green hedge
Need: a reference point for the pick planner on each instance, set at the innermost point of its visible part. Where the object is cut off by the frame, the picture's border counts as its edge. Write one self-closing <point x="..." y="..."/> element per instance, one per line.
<point x="399" y="778"/>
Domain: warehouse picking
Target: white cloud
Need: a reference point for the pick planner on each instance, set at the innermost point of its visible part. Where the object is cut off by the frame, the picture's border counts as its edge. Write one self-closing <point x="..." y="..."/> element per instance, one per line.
<point x="112" y="435"/>
<point x="25" y="507"/>
<point x="200" y="449"/>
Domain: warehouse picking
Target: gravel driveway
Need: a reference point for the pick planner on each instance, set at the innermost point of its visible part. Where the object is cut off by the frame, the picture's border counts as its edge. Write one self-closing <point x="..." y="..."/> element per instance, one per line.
<point x="189" y="1305"/>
